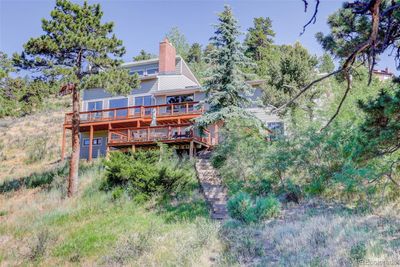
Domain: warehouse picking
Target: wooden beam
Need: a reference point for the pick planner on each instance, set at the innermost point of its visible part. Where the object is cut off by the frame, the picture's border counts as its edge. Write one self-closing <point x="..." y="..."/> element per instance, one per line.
<point x="191" y="150"/>
<point x="63" y="144"/>
<point x="90" y="143"/>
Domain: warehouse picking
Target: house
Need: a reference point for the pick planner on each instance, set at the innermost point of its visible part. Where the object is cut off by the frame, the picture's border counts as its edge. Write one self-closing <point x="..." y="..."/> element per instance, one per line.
<point x="161" y="110"/>
<point x="383" y="75"/>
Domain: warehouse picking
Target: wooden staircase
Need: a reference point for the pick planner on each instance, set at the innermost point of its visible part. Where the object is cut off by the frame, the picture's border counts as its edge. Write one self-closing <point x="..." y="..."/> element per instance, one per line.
<point x="213" y="190"/>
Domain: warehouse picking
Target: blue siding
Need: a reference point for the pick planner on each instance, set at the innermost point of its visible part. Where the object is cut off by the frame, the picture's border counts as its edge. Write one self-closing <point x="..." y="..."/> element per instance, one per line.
<point x="98" y="151"/>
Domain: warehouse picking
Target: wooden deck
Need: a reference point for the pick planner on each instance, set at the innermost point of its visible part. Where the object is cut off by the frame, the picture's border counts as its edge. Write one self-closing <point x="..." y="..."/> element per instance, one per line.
<point x="131" y="126"/>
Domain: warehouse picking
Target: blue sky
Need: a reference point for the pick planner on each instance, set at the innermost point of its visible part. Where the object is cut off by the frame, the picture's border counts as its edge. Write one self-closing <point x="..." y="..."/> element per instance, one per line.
<point x="143" y="24"/>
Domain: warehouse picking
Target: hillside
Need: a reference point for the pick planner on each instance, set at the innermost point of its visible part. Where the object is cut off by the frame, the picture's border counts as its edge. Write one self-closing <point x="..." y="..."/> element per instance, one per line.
<point x="100" y="228"/>
<point x="32" y="143"/>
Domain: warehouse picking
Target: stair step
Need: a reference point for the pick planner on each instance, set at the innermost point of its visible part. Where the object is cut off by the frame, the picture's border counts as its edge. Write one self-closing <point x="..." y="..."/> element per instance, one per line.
<point x="213" y="189"/>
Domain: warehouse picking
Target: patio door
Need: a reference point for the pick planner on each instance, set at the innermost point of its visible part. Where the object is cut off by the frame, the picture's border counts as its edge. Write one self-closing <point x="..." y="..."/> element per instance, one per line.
<point x="119" y="103"/>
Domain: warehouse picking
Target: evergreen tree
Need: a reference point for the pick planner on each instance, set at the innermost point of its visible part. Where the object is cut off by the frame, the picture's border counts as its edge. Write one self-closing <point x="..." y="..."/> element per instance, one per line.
<point x="143" y="55"/>
<point x="259" y="36"/>
<point x="226" y="89"/>
<point x="195" y="53"/>
<point x="325" y="64"/>
<point x="286" y="69"/>
<point x="77" y="51"/>
<point x="178" y="40"/>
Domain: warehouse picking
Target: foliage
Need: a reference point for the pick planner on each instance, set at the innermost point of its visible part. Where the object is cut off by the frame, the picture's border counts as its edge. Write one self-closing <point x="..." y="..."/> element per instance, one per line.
<point x="287" y="70"/>
<point x="37" y="151"/>
<point x="381" y="127"/>
<point x="195" y="53"/>
<point x="77" y="48"/>
<point x="143" y="55"/>
<point x="148" y="173"/>
<point x="226" y="88"/>
<point x="20" y="96"/>
<point x="325" y="63"/>
<point x="178" y="40"/>
<point x="258" y="37"/>
<point x="243" y="208"/>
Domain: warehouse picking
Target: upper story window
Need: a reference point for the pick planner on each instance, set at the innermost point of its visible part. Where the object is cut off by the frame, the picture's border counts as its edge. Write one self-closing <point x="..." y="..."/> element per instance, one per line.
<point x="143" y="100"/>
<point x="152" y="71"/>
<point x="139" y="72"/>
<point x="95" y="105"/>
<point x="179" y="99"/>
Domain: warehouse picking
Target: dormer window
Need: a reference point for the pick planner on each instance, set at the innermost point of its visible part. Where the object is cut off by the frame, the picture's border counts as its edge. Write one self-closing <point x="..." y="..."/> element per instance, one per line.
<point x="152" y="71"/>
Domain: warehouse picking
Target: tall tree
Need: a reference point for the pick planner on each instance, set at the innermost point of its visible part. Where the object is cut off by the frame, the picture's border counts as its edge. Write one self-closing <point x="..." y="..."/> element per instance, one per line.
<point x="285" y="69"/>
<point x="259" y="36"/>
<point x="178" y="40"/>
<point x="78" y="51"/>
<point x="226" y="88"/>
<point x="143" y="55"/>
<point x="195" y="53"/>
<point x="325" y="63"/>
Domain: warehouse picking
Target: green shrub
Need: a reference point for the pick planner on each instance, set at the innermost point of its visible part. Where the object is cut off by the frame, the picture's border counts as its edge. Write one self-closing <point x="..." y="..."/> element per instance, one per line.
<point x="241" y="207"/>
<point x="358" y="251"/>
<point x="265" y="208"/>
<point x="149" y="172"/>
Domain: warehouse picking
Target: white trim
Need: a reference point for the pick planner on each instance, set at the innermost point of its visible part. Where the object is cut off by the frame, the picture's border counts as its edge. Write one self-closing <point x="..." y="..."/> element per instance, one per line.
<point x="86" y="105"/>
<point x="99" y="138"/>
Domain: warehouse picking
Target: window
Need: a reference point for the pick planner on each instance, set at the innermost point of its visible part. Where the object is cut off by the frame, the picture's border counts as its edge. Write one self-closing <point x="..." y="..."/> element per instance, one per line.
<point x="152" y="71"/>
<point x="143" y="101"/>
<point x="277" y="129"/>
<point x="139" y="72"/>
<point x="95" y="105"/>
<point x="119" y="103"/>
<point x="96" y="141"/>
<point x="176" y="99"/>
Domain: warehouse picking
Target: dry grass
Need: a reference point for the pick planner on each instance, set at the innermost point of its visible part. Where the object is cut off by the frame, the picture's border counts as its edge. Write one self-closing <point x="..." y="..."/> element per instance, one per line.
<point x="316" y="234"/>
<point x="40" y="227"/>
<point x="32" y="143"/>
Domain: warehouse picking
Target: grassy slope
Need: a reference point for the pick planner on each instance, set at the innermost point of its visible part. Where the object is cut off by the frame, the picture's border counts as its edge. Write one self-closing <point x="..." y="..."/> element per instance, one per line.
<point x="39" y="226"/>
<point x="43" y="227"/>
<point x="32" y="143"/>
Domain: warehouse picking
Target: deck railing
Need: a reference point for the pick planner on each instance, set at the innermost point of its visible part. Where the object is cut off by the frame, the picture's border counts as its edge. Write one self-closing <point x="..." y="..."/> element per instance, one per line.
<point x="174" y="132"/>
<point x="137" y="112"/>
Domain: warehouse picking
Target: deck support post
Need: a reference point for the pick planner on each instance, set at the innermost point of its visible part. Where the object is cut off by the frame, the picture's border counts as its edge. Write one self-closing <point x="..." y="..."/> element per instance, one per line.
<point x="108" y="140"/>
<point x="90" y="143"/>
<point x="191" y="150"/>
<point x="63" y="144"/>
<point x="133" y="148"/>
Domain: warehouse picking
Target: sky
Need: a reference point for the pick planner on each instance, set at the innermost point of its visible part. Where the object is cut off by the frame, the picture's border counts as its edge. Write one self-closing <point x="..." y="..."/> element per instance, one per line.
<point x="142" y="24"/>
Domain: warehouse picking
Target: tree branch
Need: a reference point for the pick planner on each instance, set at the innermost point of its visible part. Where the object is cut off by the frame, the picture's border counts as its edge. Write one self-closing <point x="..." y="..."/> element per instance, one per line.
<point x="313" y="18"/>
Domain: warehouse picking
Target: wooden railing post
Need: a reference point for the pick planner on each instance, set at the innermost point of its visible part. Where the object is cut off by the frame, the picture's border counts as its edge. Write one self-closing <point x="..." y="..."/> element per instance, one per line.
<point x="90" y="143"/>
<point x="148" y="134"/>
<point x="141" y="111"/>
<point x="115" y="114"/>
<point x="169" y="132"/>
<point x="187" y="108"/>
<point x="129" y="135"/>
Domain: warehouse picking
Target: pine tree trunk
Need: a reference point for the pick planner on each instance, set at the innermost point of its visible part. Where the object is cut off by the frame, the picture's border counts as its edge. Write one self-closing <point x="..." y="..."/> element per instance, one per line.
<point x="74" y="165"/>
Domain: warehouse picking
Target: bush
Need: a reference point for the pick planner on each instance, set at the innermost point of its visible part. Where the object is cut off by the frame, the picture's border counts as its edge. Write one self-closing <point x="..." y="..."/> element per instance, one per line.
<point x="149" y="172"/>
<point x="243" y="208"/>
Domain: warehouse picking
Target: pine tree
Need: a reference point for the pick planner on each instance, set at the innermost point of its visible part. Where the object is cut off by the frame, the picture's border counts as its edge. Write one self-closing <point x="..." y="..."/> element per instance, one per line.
<point x="325" y="64"/>
<point x="195" y="53"/>
<point x="226" y="88"/>
<point x="77" y="51"/>
<point x="259" y="36"/>
<point x="143" y="55"/>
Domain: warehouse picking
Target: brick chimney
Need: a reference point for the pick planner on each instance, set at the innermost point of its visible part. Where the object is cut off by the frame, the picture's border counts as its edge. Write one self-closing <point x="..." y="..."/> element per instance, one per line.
<point x="167" y="57"/>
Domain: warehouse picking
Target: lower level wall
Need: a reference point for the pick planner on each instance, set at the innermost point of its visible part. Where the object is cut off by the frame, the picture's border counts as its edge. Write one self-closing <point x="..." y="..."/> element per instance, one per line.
<point x="99" y="148"/>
